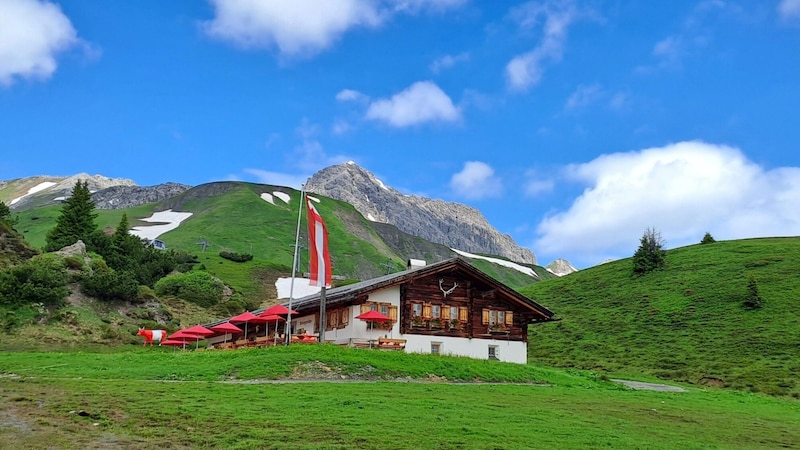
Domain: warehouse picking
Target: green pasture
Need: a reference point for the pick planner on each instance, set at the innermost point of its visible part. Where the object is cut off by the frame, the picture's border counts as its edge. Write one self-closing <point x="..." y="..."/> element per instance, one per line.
<point x="166" y="398"/>
<point x="684" y="323"/>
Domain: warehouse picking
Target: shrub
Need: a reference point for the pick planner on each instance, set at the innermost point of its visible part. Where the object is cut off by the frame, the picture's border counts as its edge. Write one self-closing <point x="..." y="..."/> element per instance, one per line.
<point x="753" y="299"/>
<point x="236" y="257"/>
<point x="42" y="279"/>
<point x="196" y="287"/>
<point x="111" y="285"/>
<point x="707" y="239"/>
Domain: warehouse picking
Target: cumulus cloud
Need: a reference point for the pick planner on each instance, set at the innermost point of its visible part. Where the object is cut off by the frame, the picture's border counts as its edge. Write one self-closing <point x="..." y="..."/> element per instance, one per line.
<point x="476" y="180"/>
<point x="32" y="34"/>
<point x="682" y="190"/>
<point x="525" y="70"/>
<point x="448" y="61"/>
<point x="789" y="9"/>
<point x="304" y="27"/>
<point x="349" y="95"/>
<point x="421" y="102"/>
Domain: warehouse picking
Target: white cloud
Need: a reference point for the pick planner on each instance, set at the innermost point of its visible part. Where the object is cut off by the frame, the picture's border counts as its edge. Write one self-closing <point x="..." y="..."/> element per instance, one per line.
<point x="341" y="127"/>
<point x="421" y="102"/>
<point x="448" y="61"/>
<point x="32" y="34"/>
<point x="682" y="190"/>
<point x="305" y="27"/>
<point x="536" y="183"/>
<point x="349" y="95"/>
<point x="584" y="96"/>
<point x="476" y="181"/>
<point x="789" y="9"/>
<point x="526" y="70"/>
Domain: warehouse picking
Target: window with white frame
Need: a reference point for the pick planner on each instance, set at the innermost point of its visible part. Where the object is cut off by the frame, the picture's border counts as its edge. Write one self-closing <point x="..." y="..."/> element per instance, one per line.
<point x="436" y="348"/>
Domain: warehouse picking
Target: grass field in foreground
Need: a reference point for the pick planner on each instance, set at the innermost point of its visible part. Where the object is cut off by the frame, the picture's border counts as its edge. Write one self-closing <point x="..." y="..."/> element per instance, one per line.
<point x="172" y="399"/>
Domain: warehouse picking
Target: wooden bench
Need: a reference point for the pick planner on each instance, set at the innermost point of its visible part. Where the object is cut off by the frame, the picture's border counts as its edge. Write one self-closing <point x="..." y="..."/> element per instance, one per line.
<point x="263" y="341"/>
<point x="391" y="344"/>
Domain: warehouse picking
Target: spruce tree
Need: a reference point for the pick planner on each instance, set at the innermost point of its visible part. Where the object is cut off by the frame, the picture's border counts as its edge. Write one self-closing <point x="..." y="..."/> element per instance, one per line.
<point x="650" y="255"/>
<point x="5" y="212"/>
<point x="76" y="221"/>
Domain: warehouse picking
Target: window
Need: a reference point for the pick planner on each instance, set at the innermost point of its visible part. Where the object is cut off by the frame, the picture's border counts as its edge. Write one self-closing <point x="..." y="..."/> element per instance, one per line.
<point x="493" y="352"/>
<point x="453" y="313"/>
<point x="416" y="309"/>
<point x="497" y="319"/>
<point x="436" y="348"/>
<point x="384" y="309"/>
<point x="436" y="311"/>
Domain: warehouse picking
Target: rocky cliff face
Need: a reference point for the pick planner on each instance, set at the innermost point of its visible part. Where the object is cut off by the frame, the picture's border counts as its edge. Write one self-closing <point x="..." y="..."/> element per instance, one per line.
<point x="117" y="197"/>
<point x="33" y="192"/>
<point x="452" y="224"/>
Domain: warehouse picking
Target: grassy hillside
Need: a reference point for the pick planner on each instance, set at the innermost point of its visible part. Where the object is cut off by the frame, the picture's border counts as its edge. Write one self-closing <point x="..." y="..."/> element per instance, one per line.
<point x="684" y="323"/>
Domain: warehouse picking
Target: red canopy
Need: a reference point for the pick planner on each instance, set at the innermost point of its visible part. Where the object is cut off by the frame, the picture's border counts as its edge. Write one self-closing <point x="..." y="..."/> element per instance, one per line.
<point x="226" y="327"/>
<point x="279" y="310"/>
<point x="269" y="318"/>
<point x="173" y="342"/>
<point x="183" y="334"/>
<point x="200" y="330"/>
<point x="373" y="316"/>
<point x="246" y="316"/>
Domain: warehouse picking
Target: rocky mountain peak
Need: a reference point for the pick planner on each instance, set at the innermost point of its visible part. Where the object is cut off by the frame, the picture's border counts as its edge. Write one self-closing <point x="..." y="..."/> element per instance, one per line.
<point x="561" y="267"/>
<point x="453" y="224"/>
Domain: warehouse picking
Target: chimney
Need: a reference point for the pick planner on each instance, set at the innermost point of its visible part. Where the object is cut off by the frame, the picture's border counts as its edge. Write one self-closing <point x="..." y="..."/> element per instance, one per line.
<point x="415" y="263"/>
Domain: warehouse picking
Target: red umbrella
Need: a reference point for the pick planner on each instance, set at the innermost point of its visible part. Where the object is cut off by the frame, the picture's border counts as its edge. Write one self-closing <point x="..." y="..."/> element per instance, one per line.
<point x="270" y="318"/>
<point x="226" y="328"/>
<point x="201" y="331"/>
<point x="244" y="317"/>
<point x="373" y="316"/>
<point x="279" y="310"/>
<point x="173" y="342"/>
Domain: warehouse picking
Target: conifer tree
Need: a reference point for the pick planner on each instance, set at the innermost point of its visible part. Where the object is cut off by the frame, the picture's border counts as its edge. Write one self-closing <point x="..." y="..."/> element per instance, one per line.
<point x="5" y="212"/>
<point x="650" y="255"/>
<point x="76" y="221"/>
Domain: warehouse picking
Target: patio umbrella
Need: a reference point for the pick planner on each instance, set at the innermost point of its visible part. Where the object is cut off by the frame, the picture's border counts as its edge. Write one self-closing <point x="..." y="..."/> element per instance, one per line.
<point x="226" y="328"/>
<point x="270" y="318"/>
<point x="280" y="310"/>
<point x="244" y="317"/>
<point x="174" y="343"/>
<point x="373" y="316"/>
<point x="181" y="336"/>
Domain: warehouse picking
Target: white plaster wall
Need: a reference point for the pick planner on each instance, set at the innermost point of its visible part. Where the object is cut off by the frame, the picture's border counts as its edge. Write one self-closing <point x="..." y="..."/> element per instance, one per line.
<point x="508" y="351"/>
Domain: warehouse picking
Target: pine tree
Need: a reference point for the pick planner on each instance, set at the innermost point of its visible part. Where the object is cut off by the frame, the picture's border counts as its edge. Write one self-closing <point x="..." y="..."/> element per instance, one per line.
<point x="5" y="212"/>
<point x="650" y="255"/>
<point x="708" y="239"/>
<point x="76" y="221"/>
<point x="753" y="299"/>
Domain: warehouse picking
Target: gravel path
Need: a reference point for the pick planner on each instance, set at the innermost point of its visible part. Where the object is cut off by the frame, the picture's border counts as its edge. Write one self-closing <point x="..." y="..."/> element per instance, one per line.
<point x="650" y="386"/>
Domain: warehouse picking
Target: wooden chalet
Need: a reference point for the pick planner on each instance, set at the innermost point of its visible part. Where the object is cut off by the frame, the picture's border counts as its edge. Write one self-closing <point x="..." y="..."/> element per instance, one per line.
<point x="449" y="307"/>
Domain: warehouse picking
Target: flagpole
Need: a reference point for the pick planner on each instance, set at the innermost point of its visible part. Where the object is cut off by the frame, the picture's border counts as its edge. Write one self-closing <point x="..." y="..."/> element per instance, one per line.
<point x="295" y="263"/>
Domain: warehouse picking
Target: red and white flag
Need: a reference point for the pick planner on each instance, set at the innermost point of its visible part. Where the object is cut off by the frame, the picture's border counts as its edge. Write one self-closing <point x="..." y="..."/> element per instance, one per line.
<point x="319" y="258"/>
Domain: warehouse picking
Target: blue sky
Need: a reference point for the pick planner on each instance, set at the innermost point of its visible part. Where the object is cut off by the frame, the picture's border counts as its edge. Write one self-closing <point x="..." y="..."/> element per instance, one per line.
<point x="572" y="125"/>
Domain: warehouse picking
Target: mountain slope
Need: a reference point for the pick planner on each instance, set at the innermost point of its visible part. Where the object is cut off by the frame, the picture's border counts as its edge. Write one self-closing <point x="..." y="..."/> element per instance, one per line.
<point x="33" y="192"/>
<point x="451" y="224"/>
<point x="686" y="322"/>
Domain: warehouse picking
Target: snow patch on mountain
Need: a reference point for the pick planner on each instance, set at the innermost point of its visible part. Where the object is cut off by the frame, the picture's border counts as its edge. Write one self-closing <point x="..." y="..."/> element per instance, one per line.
<point x="33" y="190"/>
<point x="166" y="221"/>
<point x="524" y="269"/>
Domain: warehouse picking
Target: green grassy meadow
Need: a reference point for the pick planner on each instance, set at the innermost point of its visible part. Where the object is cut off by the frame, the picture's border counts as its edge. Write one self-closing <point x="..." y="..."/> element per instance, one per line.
<point x="166" y="398"/>
<point x="684" y="323"/>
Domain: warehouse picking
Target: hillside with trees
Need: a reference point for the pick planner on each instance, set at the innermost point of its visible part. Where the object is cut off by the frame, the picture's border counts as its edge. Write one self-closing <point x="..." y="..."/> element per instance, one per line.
<point x="720" y="313"/>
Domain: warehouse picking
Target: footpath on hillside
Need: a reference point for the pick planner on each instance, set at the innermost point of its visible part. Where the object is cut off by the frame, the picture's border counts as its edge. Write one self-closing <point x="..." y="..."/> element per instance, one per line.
<point x="649" y="386"/>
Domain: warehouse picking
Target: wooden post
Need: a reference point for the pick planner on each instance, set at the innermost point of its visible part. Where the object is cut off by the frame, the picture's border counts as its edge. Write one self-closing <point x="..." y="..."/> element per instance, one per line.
<point x="322" y="313"/>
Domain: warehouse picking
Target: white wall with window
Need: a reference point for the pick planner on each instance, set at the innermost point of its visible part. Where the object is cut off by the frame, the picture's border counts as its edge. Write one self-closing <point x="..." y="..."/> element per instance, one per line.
<point x="508" y="351"/>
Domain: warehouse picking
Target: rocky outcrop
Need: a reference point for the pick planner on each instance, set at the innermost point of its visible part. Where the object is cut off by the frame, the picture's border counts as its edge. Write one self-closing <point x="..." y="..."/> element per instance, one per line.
<point x="452" y="224"/>
<point x="561" y="267"/>
<point x="34" y="192"/>
<point x="117" y="197"/>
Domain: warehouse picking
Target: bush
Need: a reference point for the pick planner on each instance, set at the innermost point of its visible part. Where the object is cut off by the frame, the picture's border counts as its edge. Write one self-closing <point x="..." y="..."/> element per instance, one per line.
<point x="196" y="287"/>
<point x="236" y="257"/>
<point x="753" y="299"/>
<point x="110" y="285"/>
<point x="708" y="239"/>
<point x="42" y="279"/>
